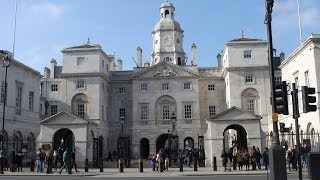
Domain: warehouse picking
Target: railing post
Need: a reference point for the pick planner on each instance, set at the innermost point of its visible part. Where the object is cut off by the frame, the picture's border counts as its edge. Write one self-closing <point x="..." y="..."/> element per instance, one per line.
<point x="86" y="166"/>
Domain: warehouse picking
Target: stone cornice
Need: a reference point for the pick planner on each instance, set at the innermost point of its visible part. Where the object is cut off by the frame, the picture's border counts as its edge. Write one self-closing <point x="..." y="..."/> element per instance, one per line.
<point x="254" y="68"/>
<point x="162" y="78"/>
<point x="82" y="75"/>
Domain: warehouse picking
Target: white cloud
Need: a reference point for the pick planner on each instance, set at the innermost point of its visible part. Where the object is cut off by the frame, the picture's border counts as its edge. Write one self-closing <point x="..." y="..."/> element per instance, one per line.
<point x="46" y="9"/>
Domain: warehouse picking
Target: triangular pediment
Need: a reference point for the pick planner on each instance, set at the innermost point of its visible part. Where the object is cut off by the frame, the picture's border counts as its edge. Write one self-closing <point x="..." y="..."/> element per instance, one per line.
<point x="63" y="118"/>
<point x="235" y="113"/>
<point x="165" y="69"/>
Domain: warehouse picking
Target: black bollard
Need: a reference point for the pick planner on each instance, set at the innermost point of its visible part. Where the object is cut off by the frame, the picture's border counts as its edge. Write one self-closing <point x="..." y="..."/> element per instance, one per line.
<point x="161" y="166"/>
<point x="121" y="165"/>
<point x="32" y="164"/>
<point x="214" y="163"/>
<point x="195" y="162"/>
<point x="101" y="164"/>
<point x="86" y="165"/>
<point x="234" y="163"/>
<point x="181" y="165"/>
<point x="140" y="165"/>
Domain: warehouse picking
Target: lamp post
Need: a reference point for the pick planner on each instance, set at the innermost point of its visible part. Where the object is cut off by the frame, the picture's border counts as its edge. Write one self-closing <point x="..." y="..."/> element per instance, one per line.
<point x="173" y="138"/>
<point x="173" y="122"/>
<point x="6" y="64"/>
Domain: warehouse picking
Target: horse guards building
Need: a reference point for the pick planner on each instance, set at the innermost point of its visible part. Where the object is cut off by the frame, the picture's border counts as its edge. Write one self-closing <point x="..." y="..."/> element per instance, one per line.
<point x="169" y="103"/>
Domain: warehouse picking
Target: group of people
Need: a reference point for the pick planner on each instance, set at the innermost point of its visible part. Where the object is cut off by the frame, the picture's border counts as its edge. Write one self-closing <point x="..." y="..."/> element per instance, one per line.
<point x="62" y="158"/>
<point x="242" y="157"/>
<point x="14" y="163"/>
<point x="156" y="161"/>
<point x="292" y="157"/>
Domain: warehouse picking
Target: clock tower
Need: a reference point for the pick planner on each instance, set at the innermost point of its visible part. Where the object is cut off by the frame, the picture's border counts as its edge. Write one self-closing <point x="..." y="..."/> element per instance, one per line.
<point x="167" y="38"/>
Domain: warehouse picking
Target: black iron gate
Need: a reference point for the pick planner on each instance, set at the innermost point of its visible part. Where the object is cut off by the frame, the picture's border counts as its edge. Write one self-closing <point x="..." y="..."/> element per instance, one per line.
<point x="124" y="149"/>
<point x="97" y="151"/>
<point x="202" y="156"/>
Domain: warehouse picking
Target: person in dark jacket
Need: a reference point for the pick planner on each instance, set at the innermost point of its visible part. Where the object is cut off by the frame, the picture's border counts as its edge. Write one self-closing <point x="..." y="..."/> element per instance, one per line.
<point x="265" y="156"/>
<point x="19" y="161"/>
<point x="49" y="160"/>
<point x="73" y="160"/>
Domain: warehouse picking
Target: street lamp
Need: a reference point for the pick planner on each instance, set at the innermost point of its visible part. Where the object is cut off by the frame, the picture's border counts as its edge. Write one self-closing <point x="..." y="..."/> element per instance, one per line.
<point x="173" y="122"/>
<point x="122" y="120"/>
<point x="6" y="64"/>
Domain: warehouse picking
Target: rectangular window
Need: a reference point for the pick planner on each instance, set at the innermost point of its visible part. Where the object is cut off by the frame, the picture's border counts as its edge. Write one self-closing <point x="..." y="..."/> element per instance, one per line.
<point x="102" y="112"/>
<point x="249" y="79"/>
<point x="122" y="112"/>
<point x="212" y="111"/>
<point x="144" y="87"/>
<point x="122" y="90"/>
<point x="80" y="111"/>
<point x="31" y="94"/>
<point x="210" y="87"/>
<point x="102" y="62"/>
<point x="247" y="54"/>
<point x="53" y="109"/>
<point x="2" y="92"/>
<point x="54" y="87"/>
<point x="165" y="86"/>
<point x="166" y="112"/>
<point x="278" y="79"/>
<point x="107" y="67"/>
<point x="144" y="112"/>
<point x="80" y="61"/>
<point x="187" y="111"/>
<point x="251" y="105"/>
<point x="306" y="76"/>
<point x="18" y="98"/>
<point x="187" y="86"/>
<point x="80" y="84"/>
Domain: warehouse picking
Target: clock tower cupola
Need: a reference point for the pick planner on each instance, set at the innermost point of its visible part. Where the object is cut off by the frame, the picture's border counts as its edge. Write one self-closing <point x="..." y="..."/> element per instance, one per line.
<point x="167" y="38"/>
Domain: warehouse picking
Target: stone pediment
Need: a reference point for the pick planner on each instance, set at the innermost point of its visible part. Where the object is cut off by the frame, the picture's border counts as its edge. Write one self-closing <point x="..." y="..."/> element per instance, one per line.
<point x="234" y="113"/>
<point x="165" y="69"/>
<point x="62" y="118"/>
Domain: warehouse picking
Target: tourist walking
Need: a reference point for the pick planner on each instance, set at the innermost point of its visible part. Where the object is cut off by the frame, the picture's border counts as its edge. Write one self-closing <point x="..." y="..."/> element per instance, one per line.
<point x="265" y="156"/>
<point x="65" y="160"/>
<point x="39" y="159"/>
<point x="73" y="160"/>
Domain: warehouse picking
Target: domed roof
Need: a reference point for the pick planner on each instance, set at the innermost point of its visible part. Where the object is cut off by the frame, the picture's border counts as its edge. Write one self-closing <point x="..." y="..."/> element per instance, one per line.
<point x="167" y="24"/>
<point x="166" y="4"/>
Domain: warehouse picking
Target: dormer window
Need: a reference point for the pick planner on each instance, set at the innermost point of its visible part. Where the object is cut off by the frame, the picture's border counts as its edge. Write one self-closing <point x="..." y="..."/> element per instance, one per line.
<point x="167" y="59"/>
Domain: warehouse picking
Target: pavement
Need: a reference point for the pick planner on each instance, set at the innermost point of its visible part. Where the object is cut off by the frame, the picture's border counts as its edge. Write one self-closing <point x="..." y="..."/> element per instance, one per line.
<point x="147" y="172"/>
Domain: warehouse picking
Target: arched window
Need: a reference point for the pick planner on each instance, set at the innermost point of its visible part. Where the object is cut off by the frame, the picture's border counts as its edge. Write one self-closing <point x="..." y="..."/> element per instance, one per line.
<point x="166" y="13"/>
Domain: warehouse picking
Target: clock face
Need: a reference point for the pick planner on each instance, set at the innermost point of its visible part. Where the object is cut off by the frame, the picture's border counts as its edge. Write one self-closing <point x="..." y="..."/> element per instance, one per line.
<point x="167" y="40"/>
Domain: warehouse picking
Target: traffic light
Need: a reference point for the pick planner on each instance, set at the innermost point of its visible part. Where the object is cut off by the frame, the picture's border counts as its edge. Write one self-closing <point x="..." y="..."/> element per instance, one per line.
<point x="281" y="98"/>
<point x="307" y="99"/>
<point x="282" y="125"/>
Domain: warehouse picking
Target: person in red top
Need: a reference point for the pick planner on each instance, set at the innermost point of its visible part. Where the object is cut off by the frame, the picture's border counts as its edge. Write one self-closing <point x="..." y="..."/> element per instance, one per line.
<point x="253" y="153"/>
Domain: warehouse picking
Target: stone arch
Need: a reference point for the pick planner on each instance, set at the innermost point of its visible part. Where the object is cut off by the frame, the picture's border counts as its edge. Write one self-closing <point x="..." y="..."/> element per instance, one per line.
<point x="79" y="105"/>
<point x="235" y="136"/>
<point x="188" y="143"/>
<point x="162" y="102"/>
<point x="31" y="144"/>
<point x="62" y="139"/>
<point x="5" y="140"/>
<point x="162" y="142"/>
<point x="144" y="148"/>
<point x="250" y="100"/>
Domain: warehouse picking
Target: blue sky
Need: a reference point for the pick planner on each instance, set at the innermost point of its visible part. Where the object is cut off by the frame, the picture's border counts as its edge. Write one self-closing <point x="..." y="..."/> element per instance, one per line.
<point x="45" y="27"/>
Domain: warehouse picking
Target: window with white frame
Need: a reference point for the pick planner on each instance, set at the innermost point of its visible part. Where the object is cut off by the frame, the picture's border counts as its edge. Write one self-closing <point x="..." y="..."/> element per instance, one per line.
<point x="251" y="105"/>
<point x="212" y="111"/>
<point x="187" y="86"/>
<point x="247" y="54"/>
<point x="54" y="87"/>
<point x="165" y="86"/>
<point x="166" y="112"/>
<point x="122" y="90"/>
<point x="80" y="110"/>
<point x="80" y="84"/>
<point x="306" y="76"/>
<point x="18" y="98"/>
<point x="187" y="111"/>
<point x="210" y="87"/>
<point x="122" y="112"/>
<point x="80" y="61"/>
<point x="144" y="112"/>
<point x="249" y="79"/>
<point x="31" y="96"/>
<point x="2" y="92"/>
<point x="53" y="109"/>
<point x="144" y="87"/>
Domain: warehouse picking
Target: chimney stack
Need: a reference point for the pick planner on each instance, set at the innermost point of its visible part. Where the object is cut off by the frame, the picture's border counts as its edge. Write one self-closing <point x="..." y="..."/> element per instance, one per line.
<point x="194" y="55"/>
<point x="219" y="60"/>
<point x="119" y="65"/>
<point x="53" y="65"/>
<point x="46" y="73"/>
<point x="139" y="56"/>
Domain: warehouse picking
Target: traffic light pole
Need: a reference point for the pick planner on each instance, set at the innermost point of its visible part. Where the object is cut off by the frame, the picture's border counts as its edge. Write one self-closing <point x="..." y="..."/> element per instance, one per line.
<point x="278" y="169"/>
<point x="296" y="117"/>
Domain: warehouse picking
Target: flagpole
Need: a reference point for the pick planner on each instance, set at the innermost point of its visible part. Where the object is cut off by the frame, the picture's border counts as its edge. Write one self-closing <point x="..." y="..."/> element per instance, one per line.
<point x="299" y="17"/>
<point x="14" y="27"/>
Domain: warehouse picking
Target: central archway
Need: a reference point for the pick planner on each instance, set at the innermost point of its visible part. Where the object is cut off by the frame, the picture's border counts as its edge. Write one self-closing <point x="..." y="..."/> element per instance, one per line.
<point x="235" y="135"/>
<point x="63" y="134"/>
<point x="161" y="142"/>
